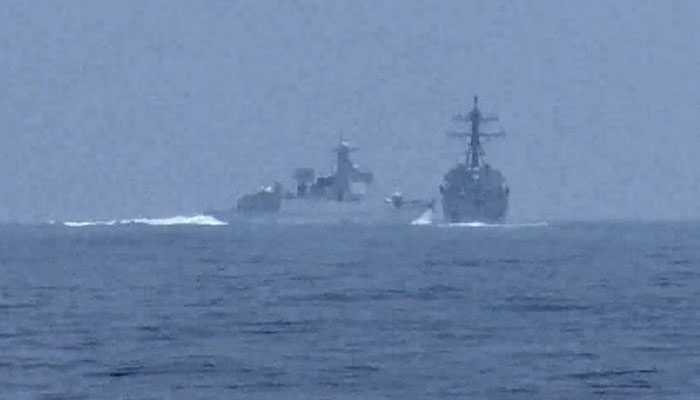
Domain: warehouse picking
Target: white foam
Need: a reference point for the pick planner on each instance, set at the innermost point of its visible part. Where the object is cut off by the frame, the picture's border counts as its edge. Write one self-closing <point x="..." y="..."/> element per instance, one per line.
<point x="486" y="225"/>
<point x="79" y="224"/>
<point x="177" y="220"/>
<point x="206" y="220"/>
<point x="425" y="219"/>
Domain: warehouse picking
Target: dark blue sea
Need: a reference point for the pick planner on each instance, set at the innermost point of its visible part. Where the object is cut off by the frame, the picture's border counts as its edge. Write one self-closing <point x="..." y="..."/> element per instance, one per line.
<point x="557" y="311"/>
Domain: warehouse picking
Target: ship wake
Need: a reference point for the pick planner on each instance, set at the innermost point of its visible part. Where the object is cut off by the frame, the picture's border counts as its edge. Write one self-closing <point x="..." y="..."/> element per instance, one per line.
<point x="487" y="225"/>
<point x="203" y="220"/>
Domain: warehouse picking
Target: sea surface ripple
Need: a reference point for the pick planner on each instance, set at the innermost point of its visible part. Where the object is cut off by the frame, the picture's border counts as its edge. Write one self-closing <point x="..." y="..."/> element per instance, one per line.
<point x="560" y="311"/>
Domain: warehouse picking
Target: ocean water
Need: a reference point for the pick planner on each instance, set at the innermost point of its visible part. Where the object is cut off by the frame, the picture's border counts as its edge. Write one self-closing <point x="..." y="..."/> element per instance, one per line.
<point x="542" y="311"/>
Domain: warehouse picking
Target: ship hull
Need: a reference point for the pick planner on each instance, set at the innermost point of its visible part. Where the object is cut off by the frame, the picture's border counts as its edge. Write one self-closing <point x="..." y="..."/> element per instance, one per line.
<point x="458" y="209"/>
<point x="322" y="212"/>
<point x="474" y="195"/>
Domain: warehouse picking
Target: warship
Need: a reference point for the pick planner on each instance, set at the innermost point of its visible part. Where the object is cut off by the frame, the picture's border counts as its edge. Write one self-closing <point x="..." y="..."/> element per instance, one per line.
<point x="474" y="191"/>
<point x="344" y="195"/>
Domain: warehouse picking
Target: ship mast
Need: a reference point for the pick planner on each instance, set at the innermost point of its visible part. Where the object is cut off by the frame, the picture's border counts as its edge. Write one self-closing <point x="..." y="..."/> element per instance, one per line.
<point x="475" y="118"/>
<point x="474" y="142"/>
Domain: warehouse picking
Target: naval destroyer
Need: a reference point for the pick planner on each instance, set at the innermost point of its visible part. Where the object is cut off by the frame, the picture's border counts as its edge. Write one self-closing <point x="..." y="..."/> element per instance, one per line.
<point x="343" y="195"/>
<point x="474" y="191"/>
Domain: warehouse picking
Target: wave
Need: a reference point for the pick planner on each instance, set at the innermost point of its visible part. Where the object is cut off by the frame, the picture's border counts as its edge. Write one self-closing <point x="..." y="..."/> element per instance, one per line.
<point x="177" y="220"/>
<point x="487" y="225"/>
<point x="206" y="220"/>
<point x="80" y="224"/>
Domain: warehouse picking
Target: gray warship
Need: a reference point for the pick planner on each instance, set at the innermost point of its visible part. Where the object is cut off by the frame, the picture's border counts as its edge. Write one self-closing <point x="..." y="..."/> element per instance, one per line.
<point x="338" y="196"/>
<point x="474" y="191"/>
<point x="343" y="195"/>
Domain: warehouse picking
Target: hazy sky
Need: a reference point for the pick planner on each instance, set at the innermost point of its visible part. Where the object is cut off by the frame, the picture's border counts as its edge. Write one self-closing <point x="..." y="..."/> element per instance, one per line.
<point x="112" y="109"/>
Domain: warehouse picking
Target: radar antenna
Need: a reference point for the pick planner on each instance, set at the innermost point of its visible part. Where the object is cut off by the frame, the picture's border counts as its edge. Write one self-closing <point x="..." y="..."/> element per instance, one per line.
<point x="475" y="118"/>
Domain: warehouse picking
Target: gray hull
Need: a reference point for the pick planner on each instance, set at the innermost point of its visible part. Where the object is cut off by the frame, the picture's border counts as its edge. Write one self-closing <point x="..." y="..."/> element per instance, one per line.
<point x="319" y="212"/>
<point x="491" y="210"/>
<point x="474" y="195"/>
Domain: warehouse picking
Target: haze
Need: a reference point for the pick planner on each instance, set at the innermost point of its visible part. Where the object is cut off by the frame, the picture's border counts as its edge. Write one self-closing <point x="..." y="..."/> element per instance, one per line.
<point x="118" y="109"/>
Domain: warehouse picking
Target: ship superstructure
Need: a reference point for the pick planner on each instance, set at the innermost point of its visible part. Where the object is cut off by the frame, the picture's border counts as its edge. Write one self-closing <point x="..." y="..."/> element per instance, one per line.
<point x="347" y="183"/>
<point x="266" y="200"/>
